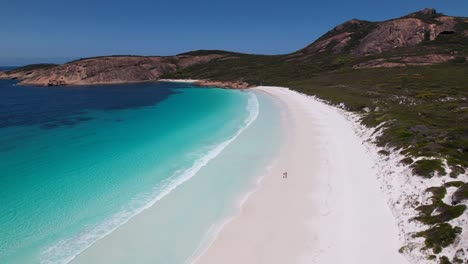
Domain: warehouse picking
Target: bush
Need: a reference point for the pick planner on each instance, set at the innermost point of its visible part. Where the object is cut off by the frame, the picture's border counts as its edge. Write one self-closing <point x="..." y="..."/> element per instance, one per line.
<point x="384" y="152"/>
<point x="439" y="236"/>
<point x="458" y="59"/>
<point x="406" y="161"/>
<point x="444" y="260"/>
<point x="426" y="168"/>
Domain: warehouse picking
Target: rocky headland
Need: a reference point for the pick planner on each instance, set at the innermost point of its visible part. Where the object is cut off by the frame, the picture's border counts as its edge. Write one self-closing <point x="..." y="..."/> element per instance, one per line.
<point x="106" y="70"/>
<point x="418" y="39"/>
<point x="226" y="84"/>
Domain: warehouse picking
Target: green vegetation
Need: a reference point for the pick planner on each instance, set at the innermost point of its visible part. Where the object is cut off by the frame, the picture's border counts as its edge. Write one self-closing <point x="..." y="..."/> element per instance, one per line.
<point x="456" y="258"/>
<point x="462" y="24"/>
<point x="453" y="184"/>
<point x="438" y="193"/>
<point x="424" y="110"/>
<point x="407" y="161"/>
<point x="207" y="52"/>
<point x="426" y="168"/>
<point x="384" y="152"/>
<point x="106" y="56"/>
<point x="444" y="260"/>
<point x="436" y="214"/>
<point x="31" y="67"/>
<point x="439" y="236"/>
<point x="445" y="213"/>
<point x="456" y="170"/>
<point x="460" y="194"/>
<point x="438" y="211"/>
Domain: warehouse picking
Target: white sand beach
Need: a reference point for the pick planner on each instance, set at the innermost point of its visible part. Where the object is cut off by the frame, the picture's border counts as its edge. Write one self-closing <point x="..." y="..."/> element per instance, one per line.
<point x="178" y="80"/>
<point x="329" y="209"/>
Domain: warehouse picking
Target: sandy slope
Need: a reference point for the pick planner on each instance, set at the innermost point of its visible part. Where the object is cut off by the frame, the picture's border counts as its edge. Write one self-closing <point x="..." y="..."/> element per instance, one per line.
<point x="329" y="210"/>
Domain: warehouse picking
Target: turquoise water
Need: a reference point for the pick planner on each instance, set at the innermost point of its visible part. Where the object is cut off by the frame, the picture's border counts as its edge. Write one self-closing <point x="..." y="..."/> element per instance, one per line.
<point x="180" y="226"/>
<point x="78" y="163"/>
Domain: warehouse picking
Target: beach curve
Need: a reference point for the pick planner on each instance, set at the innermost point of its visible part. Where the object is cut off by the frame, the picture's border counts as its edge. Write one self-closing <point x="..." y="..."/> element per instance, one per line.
<point x="67" y="251"/>
<point x="329" y="209"/>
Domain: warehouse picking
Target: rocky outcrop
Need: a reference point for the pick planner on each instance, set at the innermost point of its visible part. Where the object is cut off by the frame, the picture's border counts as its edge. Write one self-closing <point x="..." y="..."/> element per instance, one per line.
<point x="108" y="70"/>
<point x="339" y="42"/>
<point x="402" y="32"/>
<point x="333" y="42"/>
<point x="364" y="38"/>
<point x="420" y="38"/>
<point x="225" y="84"/>
<point x="105" y="70"/>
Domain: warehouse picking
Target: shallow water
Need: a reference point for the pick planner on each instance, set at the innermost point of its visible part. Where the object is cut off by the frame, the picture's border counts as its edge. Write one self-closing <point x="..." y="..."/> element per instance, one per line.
<point x="182" y="225"/>
<point x="79" y="162"/>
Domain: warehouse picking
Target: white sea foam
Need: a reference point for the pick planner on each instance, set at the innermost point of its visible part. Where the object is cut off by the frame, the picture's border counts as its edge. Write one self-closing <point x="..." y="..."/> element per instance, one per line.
<point x="215" y="229"/>
<point x="66" y="250"/>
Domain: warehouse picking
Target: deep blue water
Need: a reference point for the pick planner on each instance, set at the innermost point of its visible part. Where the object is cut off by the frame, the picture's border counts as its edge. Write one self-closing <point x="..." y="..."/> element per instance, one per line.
<point x="50" y="107"/>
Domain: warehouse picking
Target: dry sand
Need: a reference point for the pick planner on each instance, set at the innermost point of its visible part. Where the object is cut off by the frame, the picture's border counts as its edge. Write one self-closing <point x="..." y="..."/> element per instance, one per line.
<point x="329" y="210"/>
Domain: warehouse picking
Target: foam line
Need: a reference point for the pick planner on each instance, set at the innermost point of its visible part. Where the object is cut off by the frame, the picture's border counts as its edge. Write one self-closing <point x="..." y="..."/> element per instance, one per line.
<point x="65" y="251"/>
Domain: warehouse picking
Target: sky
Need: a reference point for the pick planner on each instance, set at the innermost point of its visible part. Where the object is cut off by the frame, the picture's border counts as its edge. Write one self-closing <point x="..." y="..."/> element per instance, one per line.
<point x="62" y="30"/>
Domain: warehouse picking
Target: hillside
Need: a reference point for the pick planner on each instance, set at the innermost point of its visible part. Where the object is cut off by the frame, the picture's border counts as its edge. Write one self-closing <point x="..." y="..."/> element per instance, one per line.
<point x="418" y="39"/>
<point x="106" y="70"/>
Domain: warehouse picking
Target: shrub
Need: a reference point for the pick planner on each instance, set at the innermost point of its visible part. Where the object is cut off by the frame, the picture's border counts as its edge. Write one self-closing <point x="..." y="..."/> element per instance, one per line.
<point x="439" y="236"/>
<point x="426" y="168"/>
<point x="444" y="260"/>
<point x="458" y="59"/>
<point x="406" y="161"/>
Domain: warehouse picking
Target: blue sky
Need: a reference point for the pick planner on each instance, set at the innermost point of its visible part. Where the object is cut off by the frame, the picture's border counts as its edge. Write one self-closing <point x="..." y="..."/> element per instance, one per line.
<point x="53" y="30"/>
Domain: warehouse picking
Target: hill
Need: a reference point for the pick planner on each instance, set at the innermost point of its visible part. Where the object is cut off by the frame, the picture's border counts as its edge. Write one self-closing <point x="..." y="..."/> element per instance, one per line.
<point x="417" y="39"/>
<point x="105" y="70"/>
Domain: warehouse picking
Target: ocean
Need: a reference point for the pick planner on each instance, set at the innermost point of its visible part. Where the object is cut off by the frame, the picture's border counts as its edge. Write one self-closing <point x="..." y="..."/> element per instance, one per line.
<point x="155" y="167"/>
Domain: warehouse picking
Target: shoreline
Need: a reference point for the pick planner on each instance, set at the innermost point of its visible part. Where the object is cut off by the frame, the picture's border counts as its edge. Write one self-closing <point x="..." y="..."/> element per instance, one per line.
<point x="243" y="197"/>
<point x="322" y="216"/>
<point x="236" y="85"/>
<point x="178" y="80"/>
<point x="152" y="228"/>
<point x="309" y="218"/>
